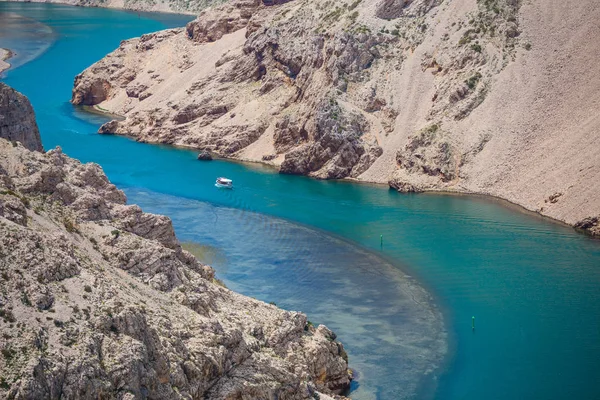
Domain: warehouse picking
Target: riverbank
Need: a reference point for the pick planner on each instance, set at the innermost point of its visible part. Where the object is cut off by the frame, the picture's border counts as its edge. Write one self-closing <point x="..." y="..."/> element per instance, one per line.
<point x="591" y="226"/>
<point x="5" y="54"/>
<point x="231" y="94"/>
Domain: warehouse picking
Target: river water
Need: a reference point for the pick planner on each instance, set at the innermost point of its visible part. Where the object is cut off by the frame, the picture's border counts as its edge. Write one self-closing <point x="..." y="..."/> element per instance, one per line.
<point x="532" y="285"/>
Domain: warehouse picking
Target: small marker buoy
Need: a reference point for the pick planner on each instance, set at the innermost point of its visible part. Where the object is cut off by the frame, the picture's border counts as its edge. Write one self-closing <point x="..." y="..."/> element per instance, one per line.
<point x="473" y="323"/>
<point x="381" y="238"/>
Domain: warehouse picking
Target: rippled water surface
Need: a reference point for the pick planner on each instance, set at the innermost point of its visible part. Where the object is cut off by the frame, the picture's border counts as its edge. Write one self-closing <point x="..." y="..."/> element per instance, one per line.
<point x="532" y="285"/>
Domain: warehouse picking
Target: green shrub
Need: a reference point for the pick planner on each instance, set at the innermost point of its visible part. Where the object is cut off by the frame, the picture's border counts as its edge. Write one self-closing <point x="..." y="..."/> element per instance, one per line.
<point x="7" y="315"/>
<point x="354" y="5"/>
<point x="8" y="353"/>
<point x="4" y="384"/>
<point x="476" y="47"/>
<point x="473" y="80"/>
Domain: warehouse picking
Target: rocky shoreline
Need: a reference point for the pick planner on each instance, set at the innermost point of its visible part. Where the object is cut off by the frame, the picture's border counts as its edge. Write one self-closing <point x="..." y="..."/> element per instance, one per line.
<point x="99" y="297"/>
<point x="5" y="54"/>
<point x="354" y="91"/>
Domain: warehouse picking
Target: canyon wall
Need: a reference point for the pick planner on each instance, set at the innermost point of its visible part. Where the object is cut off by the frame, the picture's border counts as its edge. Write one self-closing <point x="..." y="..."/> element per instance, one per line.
<point x="491" y="96"/>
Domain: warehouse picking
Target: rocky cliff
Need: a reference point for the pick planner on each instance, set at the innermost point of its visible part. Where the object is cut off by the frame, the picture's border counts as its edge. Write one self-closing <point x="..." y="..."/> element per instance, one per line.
<point x="17" y="120"/>
<point x="487" y="96"/>
<point x="4" y="56"/>
<point x="99" y="300"/>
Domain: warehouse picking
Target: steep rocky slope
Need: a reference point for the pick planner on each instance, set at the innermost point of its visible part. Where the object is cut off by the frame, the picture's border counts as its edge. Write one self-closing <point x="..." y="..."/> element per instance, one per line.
<point x="99" y="300"/>
<point x="487" y="96"/>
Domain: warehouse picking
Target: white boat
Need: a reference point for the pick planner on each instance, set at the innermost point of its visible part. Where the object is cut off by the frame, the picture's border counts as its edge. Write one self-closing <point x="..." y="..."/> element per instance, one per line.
<point x="224" y="183"/>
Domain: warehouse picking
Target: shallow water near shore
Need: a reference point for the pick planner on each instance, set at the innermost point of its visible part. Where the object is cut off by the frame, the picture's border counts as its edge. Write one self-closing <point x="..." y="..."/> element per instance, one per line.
<point x="384" y="317"/>
<point x="24" y="37"/>
<point x="532" y="285"/>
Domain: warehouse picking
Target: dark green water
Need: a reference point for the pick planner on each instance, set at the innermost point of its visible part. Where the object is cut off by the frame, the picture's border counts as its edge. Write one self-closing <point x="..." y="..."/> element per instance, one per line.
<point x="533" y="286"/>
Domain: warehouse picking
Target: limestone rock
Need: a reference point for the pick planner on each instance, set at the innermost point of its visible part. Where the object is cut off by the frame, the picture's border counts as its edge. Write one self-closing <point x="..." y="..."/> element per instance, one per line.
<point x="17" y="120"/>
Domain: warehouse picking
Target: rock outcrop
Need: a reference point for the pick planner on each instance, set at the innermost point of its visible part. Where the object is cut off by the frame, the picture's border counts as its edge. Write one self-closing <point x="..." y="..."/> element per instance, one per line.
<point x="98" y="299"/>
<point x="4" y="56"/>
<point x="354" y="89"/>
<point x="17" y="120"/>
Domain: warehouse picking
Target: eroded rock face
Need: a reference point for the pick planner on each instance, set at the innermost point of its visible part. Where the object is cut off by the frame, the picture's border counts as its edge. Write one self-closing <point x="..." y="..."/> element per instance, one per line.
<point x="280" y="80"/>
<point x="392" y="9"/>
<point x="17" y="120"/>
<point x="99" y="297"/>
<point x="336" y="149"/>
<point x="430" y="153"/>
<point x="212" y="24"/>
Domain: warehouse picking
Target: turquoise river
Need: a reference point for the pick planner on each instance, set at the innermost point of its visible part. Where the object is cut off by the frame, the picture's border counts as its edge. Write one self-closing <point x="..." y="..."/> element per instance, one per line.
<point x="533" y="285"/>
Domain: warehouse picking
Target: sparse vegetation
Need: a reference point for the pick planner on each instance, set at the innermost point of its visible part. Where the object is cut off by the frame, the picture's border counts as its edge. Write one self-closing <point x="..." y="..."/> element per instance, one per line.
<point x="352" y="17"/>
<point x="473" y="80"/>
<point x="69" y="226"/>
<point x="8" y="353"/>
<point x="23" y="199"/>
<point x="219" y="283"/>
<point x="7" y="315"/>
<point x="353" y="5"/>
<point x="25" y="299"/>
<point x="334" y="15"/>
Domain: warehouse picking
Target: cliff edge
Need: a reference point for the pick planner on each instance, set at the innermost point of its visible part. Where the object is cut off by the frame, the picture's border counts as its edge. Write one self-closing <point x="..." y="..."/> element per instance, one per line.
<point x="98" y="299"/>
<point x="17" y="119"/>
